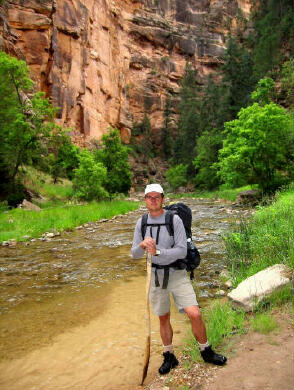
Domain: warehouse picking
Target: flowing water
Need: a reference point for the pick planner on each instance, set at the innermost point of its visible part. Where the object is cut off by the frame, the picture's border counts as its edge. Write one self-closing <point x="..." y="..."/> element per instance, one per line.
<point x="73" y="307"/>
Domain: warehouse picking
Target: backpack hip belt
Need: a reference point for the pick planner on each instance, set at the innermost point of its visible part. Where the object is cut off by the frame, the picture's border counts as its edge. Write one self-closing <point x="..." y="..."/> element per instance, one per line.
<point x="178" y="264"/>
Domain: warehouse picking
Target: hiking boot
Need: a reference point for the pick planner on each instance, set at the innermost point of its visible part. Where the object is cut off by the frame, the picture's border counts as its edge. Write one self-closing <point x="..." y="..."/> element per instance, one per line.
<point x="170" y="361"/>
<point x="210" y="356"/>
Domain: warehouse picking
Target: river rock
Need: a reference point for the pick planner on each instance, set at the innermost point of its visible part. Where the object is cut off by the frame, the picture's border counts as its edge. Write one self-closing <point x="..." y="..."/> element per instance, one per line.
<point x="224" y="274"/>
<point x="50" y="235"/>
<point x="256" y="287"/>
<point x="11" y="242"/>
<point x="228" y="284"/>
<point x="220" y="293"/>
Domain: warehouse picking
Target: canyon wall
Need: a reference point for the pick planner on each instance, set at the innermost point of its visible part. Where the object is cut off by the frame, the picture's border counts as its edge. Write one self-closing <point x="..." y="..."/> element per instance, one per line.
<point x="107" y="63"/>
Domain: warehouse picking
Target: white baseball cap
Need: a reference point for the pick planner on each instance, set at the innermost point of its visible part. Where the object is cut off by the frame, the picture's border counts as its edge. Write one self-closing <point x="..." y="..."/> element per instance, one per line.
<point x="153" y="188"/>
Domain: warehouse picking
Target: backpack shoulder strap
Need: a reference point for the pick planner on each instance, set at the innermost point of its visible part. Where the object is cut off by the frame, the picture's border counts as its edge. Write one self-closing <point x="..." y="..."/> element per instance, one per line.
<point x="144" y="225"/>
<point x="169" y="222"/>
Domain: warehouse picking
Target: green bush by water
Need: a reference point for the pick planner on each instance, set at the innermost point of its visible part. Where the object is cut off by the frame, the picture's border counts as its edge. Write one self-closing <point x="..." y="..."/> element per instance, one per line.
<point x="20" y="224"/>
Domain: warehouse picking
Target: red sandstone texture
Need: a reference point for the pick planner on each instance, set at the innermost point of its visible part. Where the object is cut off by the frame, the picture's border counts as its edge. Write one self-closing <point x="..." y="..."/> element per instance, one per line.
<point x="107" y="63"/>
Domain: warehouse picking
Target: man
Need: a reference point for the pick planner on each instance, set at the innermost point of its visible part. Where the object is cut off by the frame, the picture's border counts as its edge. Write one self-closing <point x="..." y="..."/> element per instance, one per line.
<point x="166" y="249"/>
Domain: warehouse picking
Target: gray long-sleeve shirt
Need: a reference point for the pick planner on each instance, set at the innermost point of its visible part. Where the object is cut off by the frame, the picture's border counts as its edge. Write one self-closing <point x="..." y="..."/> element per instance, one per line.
<point x="171" y="248"/>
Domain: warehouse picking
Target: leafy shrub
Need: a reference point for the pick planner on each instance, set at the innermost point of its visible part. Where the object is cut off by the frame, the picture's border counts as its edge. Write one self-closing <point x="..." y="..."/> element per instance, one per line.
<point x="89" y="178"/>
<point x="177" y="176"/>
<point x="114" y="157"/>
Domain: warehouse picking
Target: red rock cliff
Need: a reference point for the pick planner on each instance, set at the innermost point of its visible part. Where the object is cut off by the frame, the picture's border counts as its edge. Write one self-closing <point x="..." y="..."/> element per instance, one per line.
<point x="106" y="63"/>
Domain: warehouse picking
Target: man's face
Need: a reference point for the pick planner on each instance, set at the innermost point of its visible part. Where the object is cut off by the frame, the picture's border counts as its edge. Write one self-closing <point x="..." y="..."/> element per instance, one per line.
<point x="154" y="201"/>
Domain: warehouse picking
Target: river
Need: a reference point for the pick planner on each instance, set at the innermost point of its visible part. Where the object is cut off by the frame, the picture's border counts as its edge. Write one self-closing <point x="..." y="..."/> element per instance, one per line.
<point x="72" y="307"/>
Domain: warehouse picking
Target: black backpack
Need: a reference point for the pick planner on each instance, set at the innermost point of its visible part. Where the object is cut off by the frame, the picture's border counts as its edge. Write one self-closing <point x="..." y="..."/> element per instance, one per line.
<point x="192" y="259"/>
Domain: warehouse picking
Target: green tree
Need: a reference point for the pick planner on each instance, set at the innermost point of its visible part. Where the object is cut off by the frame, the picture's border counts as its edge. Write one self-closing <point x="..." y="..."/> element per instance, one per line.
<point x="142" y="138"/>
<point x="237" y="73"/>
<point x="89" y="178"/>
<point x="166" y="132"/>
<point x="207" y="148"/>
<point x="63" y="156"/>
<point x="257" y="147"/>
<point x="114" y="156"/>
<point x="214" y="111"/>
<point x="26" y="122"/>
<point x="287" y="84"/>
<point x="188" y="123"/>
<point x="264" y="92"/>
<point x="273" y="35"/>
<point x="177" y="176"/>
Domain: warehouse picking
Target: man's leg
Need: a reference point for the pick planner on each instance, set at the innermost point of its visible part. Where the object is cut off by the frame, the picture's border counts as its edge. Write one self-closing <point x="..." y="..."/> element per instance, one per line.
<point x="166" y="333"/>
<point x="166" y="330"/>
<point x="199" y="332"/>
<point x="160" y="300"/>
<point x="198" y="327"/>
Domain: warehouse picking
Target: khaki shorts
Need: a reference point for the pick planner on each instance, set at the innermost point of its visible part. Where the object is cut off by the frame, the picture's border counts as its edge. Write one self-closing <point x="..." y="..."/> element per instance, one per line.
<point x="179" y="285"/>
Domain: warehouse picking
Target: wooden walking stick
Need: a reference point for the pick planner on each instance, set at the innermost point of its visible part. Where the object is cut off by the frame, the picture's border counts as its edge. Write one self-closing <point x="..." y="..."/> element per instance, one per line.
<point x="148" y="325"/>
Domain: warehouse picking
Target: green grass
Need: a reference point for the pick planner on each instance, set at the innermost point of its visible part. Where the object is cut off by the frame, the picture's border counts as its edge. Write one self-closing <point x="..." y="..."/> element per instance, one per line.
<point x="227" y="194"/>
<point x="277" y="298"/>
<point x="222" y="321"/>
<point x="41" y="183"/>
<point x="17" y="223"/>
<point x="263" y="323"/>
<point x="57" y="213"/>
<point x="267" y="238"/>
<point x="58" y="191"/>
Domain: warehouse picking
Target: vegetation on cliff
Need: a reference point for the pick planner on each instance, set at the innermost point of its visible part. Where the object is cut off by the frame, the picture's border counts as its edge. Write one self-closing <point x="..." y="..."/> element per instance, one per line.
<point x="252" y="91"/>
<point x="231" y="130"/>
<point x="28" y="133"/>
<point x="231" y="127"/>
<point x="30" y="136"/>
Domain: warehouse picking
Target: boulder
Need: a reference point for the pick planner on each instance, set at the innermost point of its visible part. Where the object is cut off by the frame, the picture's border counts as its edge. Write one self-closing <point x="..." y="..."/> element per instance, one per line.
<point x="249" y="198"/>
<point x="181" y="190"/>
<point x="256" y="287"/>
<point x="29" y="206"/>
